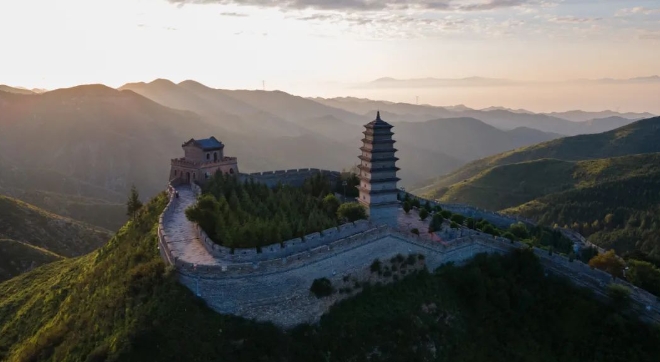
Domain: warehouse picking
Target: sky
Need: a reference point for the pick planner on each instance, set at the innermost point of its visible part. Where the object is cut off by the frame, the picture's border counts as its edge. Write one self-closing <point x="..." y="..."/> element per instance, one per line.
<point x="327" y="47"/>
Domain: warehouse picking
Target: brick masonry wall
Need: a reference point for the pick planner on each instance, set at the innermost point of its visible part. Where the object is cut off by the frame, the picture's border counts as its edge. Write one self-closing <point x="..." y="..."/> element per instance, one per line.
<point x="274" y="286"/>
<point x="293" y="177"/>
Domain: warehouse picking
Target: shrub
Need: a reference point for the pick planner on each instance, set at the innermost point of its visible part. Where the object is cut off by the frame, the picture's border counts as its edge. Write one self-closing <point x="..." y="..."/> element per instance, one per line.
<point x="415" y="203"/>
<point x="423" y="214"/>
<point x="411" y="260"/>
<point x="400" y="258"/>
<point x="321" y="287"/>
<point x="387" y="274"/>
<point x="446" y="214"/>
<point x="459" y="219"/>
<point x="406" y="207"/>
<point x="351" y="211"/>
<point x="509" y="236"/>
<point x="620" y="296"/>
<point x="415" y="231"/>
<point x="375" y="266"/>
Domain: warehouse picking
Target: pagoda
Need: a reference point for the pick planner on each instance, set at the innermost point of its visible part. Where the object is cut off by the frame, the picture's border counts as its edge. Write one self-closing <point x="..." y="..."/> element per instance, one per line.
<point x="378" y="191"/>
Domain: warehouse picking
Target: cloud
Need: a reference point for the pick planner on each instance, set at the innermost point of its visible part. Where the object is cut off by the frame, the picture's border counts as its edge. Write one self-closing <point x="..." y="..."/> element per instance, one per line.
<point x="572" y="20"/>
<point x="233" y="14"/>
<point x="639" y="10"/>
<point x="374" y="5"/>
<point x="650" y="36"/>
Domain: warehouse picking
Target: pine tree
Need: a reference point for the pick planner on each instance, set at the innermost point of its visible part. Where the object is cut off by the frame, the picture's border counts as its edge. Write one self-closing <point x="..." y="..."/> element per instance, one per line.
<point x="134" y="204"/>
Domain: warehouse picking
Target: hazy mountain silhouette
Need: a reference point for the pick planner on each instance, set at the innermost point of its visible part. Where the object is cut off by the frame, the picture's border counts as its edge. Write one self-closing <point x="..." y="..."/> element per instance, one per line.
<point x="582" y="116"/>
<point x="636" y="138"/>
<point x="575" y="123"/>
<point x="8" y="89"/>
<point x="466" y="138"/>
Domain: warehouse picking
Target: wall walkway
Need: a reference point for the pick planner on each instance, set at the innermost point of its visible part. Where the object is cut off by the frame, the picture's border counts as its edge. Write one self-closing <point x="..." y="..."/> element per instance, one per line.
<point x="275" y="288"/>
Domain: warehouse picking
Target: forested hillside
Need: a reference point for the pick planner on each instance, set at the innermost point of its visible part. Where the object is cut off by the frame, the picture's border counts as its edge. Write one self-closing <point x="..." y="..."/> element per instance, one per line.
<point x="121" y="303"/>
<point x="30" y="237"/>
<point x="612" y="201"/>
<point x="639" y="137"/>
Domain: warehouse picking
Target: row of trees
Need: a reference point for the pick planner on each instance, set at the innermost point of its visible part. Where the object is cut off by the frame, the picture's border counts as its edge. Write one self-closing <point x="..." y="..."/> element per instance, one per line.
<point x="538" y="236"/>
<point x="249" y="214"/>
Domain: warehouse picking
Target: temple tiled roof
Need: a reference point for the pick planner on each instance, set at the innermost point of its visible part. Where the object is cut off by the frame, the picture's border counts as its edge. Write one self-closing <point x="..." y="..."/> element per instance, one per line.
<point x="206" y="144"/>
<point x="378" y="123"/>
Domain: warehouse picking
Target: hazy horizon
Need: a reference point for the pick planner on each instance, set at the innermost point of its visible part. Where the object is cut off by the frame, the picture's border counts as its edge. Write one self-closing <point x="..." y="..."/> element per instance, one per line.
<point x="312" y="48"/>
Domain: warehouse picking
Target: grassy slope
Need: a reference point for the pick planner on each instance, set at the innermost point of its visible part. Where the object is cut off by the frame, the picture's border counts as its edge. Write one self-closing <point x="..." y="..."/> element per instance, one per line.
<point x="17" y="257"/>
<point x="34" y="226"/>
<point x="511" y="185"/>
<point x="635" y="138"/>
<point x="120" y="303"/>
<point x="97" y="212"/>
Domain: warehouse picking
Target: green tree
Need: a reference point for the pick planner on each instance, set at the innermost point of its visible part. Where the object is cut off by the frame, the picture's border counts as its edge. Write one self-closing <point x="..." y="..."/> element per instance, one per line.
<point x="321" y="287"/>
<point x="644" y="275"/>
<point x="519" y="230"/>
<point x="351" y="211"/>
<point x="133" y="205"/>
<point x="436" y="222"/>
<point x="423" y="214"/>
<point x="427" y="206"/>
<point x="415" y="203"/>
<point x="331" y="204"/>
<point x="619" y="295"/>
<point x="457" y="218"/>
<point x="406" y="207"/>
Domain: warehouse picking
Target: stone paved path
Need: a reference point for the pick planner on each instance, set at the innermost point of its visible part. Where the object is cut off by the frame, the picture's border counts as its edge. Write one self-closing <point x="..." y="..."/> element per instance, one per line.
<point x="180" y="232"/>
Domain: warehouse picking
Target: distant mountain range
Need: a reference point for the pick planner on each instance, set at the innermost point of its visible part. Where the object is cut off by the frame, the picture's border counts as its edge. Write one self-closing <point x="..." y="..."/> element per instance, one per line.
<point x="603" y="185"/>
<point x="576" y="122"/>
<point x="636" y="138"/>
<point x="87" y="145"/>
<point x="388" y="82"/>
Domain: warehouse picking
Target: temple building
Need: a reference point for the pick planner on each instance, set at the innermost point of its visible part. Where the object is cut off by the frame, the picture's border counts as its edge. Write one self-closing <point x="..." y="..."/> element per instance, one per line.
<point x="378" y="191"/>
<point x="202" y="159"/>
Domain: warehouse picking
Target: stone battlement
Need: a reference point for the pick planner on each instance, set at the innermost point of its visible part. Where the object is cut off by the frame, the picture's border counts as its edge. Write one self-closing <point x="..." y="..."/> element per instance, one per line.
<point x="293" y="177"/>
<point x="274" y="285"/>
<point x="188" y="163"/>
<point x="286" y="248"/>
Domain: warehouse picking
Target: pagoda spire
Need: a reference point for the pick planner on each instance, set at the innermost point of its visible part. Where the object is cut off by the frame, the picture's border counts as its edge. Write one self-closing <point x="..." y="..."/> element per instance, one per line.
<point x="378" y="116"/>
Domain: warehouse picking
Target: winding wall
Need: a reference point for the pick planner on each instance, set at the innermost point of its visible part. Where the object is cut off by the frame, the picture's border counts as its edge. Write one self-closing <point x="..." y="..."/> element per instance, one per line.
<point x="274" y="286"/>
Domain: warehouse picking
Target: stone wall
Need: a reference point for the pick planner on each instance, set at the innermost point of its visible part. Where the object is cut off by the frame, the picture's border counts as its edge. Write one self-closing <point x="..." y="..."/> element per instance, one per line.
<point x="274" y="285"/>
<point x="286" y="248"/>
<point x="293" y="177"/>
<point x="278" y="290"/>
<point x="163" y="249"/>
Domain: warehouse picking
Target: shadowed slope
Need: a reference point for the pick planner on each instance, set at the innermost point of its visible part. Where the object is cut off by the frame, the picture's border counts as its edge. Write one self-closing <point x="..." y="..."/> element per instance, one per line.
<point x="17" y="257"/>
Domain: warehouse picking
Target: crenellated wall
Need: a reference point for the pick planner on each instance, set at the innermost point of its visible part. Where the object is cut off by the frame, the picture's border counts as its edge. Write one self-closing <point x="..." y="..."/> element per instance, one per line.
<point x="286" y="248"/>
<point x="273" y="285"/>
<point x="293" y="177"/>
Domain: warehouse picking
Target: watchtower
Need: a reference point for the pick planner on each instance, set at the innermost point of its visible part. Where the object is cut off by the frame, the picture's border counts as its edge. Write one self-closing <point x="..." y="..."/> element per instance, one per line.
<point x="202" y="159"/>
